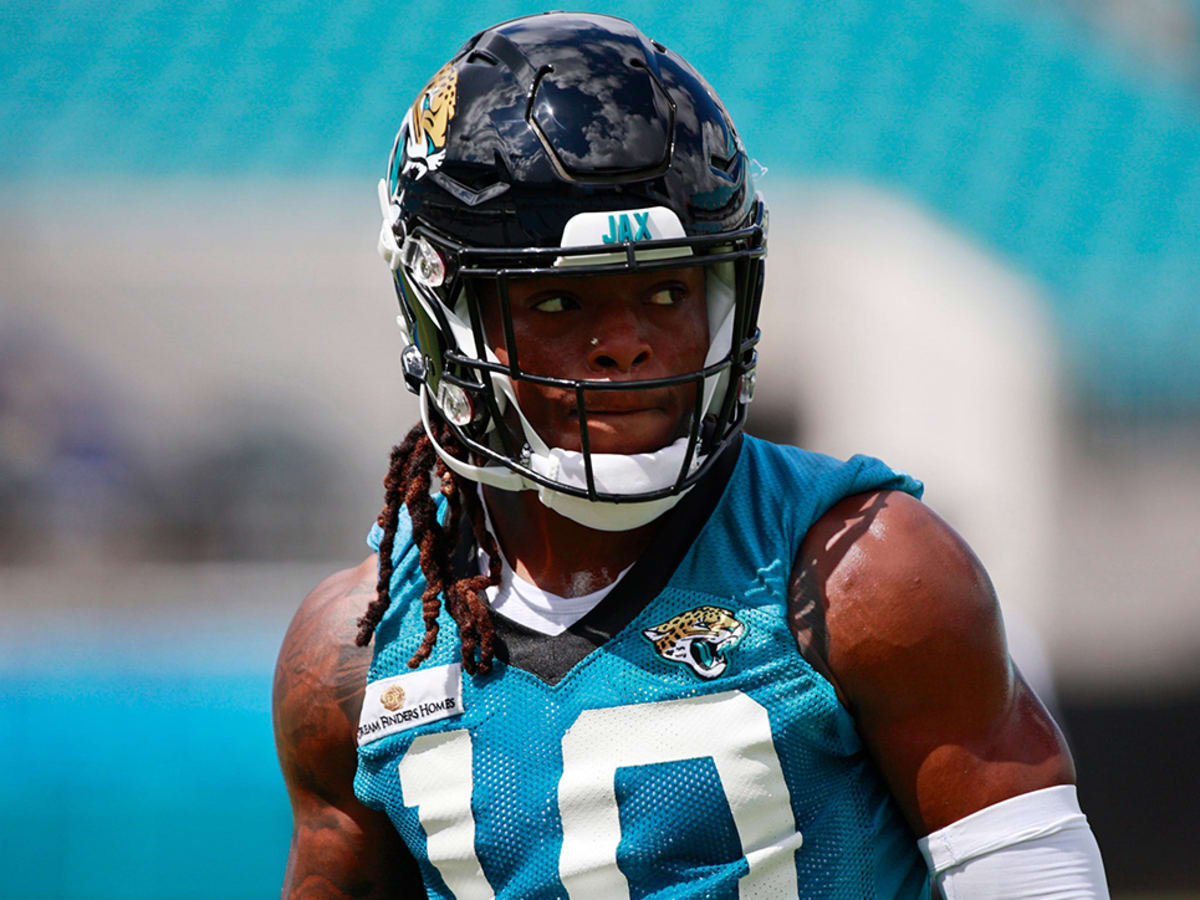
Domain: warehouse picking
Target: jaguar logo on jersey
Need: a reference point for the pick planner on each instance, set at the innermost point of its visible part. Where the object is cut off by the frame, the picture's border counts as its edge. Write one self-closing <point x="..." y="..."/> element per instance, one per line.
<point x="699" y="639"/>
<point x="393" y="698"/>
<point x="426" y="123"/>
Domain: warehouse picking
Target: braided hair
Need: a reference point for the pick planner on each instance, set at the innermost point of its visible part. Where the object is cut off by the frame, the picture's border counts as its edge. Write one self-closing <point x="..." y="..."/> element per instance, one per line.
<point x="408" y="480"/>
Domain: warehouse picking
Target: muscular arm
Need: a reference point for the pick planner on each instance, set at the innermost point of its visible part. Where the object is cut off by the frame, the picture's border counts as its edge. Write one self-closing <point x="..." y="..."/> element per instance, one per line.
<point x="340" y="848"/>
<point x="891" y="605"/>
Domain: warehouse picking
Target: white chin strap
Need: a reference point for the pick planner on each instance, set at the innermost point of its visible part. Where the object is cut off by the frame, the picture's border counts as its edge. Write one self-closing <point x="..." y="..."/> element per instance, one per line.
<point x="616" y="473"/>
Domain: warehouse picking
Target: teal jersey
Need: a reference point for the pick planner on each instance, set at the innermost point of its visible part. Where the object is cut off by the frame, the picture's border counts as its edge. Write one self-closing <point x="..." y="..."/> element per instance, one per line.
<point x="673" y="743"/>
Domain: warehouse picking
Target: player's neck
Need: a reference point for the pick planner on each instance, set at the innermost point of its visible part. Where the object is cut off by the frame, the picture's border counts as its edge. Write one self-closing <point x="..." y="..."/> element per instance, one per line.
<point x="556" y="553"/>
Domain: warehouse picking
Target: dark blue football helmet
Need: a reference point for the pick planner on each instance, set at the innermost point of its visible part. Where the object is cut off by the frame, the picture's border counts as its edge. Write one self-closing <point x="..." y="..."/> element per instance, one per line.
<point x="569" y="143"/>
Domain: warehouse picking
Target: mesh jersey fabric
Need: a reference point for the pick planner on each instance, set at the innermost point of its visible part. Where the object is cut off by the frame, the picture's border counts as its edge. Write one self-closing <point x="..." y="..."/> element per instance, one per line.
<point x="635" y="776"/>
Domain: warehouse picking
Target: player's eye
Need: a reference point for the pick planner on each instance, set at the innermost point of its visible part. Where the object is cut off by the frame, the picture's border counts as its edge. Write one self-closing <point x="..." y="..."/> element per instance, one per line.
<point x="668" y="295"/>
<point x="554" y="304"/>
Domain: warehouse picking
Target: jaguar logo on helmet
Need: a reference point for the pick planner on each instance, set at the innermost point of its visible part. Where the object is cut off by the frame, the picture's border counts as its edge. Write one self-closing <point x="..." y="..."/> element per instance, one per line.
<point x="427" y="121"/>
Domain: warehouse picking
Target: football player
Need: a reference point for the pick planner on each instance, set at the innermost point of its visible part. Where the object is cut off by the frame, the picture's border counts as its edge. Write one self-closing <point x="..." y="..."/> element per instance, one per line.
<point x="624" y="650"/>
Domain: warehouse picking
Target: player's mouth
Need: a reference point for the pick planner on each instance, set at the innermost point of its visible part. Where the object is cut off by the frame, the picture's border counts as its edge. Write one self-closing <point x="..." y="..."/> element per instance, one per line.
<point x="615" y="404"/>
<point x="593" y="413"/>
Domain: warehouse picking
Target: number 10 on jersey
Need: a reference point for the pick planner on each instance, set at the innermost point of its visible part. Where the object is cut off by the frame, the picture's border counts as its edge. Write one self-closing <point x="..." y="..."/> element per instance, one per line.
<point x="730" y="728"/>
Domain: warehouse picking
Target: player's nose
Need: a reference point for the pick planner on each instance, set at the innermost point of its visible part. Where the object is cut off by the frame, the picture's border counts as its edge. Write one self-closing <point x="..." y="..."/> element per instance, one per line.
<point x="618" y="344"/>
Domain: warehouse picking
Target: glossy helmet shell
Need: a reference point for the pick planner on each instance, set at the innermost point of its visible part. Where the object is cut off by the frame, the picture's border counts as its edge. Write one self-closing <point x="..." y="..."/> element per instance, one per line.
<point x="533" y="122"/>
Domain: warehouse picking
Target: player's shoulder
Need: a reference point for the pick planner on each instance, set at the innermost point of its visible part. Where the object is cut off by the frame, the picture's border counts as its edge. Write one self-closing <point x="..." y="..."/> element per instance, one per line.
<point x="326" y="621"/>
<point x="901" y="593"/>
<point x="321" y="673"/>
<point x="885" y="542"/>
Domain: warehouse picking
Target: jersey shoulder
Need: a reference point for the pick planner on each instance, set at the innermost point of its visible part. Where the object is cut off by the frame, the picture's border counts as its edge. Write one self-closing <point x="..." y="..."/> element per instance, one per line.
<point x="809" y="472"/>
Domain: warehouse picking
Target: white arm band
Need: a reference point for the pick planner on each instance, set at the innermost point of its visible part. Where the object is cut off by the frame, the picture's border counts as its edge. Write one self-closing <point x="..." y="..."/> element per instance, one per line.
<point x="1032" y="845"/>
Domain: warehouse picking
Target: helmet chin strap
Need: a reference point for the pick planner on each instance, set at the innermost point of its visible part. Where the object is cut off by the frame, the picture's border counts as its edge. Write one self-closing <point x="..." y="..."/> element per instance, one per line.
<point x="612" y="472"/>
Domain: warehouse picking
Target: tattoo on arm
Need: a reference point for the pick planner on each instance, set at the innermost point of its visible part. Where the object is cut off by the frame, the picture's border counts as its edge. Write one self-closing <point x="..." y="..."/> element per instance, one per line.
<point x="339" y="848"/>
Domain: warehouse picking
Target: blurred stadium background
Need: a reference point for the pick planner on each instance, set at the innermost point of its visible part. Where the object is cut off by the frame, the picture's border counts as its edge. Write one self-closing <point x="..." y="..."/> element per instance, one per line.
<point x="985" y="258"/>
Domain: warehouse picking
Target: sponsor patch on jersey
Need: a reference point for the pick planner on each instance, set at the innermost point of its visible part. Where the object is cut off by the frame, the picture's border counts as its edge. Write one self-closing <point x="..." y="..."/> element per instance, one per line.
<point x="406" y="701"/>
<point x="700" y="639"/>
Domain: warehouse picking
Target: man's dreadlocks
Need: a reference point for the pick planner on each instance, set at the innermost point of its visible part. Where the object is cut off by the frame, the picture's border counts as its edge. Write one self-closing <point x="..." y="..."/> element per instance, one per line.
<point x="408" y="479"/>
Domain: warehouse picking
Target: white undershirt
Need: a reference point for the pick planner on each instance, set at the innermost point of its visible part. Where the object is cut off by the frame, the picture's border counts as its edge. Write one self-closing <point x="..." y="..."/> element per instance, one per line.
<point x="526" y="603"/>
